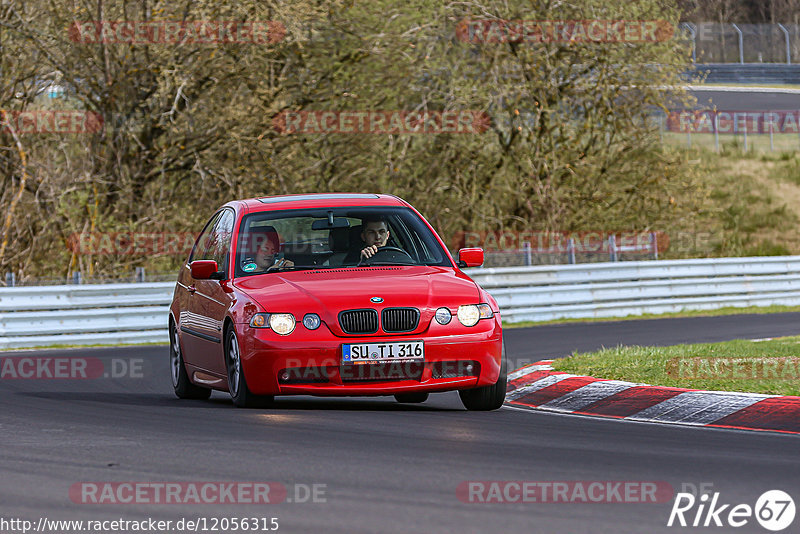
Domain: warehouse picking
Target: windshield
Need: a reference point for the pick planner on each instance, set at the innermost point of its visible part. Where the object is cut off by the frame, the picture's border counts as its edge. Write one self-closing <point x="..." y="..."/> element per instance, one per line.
<point x="325" y="238"/>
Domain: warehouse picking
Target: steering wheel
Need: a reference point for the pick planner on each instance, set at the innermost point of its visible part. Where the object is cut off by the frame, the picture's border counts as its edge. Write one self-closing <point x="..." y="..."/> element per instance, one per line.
<point x="389" y="254"/>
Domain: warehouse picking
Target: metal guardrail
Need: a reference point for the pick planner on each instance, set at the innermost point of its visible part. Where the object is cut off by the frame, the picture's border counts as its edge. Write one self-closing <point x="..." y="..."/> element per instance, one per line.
<point x="84" y="315"/>
<point x="137" y="313"/>
<point x="635" y="288"/>
<point x="747" y="73"/>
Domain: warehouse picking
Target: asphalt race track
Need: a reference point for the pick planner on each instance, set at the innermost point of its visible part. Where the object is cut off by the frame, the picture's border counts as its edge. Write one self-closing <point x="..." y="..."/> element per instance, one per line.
<point x="385" y="467"/>
<point x="746" y="101"/>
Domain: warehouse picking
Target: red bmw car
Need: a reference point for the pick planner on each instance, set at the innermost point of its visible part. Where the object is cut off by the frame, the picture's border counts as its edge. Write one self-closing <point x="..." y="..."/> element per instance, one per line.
<point x="332" y="294"/>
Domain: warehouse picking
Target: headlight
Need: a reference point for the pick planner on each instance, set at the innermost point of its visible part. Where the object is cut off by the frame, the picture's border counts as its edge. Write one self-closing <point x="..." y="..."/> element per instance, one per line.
<point x="443" y="316"/>
<point x="470" y="314"/>
<point x="311" y="321"/>
<point x="282" y="323"/>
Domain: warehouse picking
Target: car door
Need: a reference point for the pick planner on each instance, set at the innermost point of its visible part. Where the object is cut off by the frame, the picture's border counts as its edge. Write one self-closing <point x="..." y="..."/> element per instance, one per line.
<point x="207" y="303"/>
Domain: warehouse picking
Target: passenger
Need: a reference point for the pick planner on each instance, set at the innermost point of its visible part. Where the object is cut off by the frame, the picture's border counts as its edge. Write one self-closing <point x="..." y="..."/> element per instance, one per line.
<point x="268" y="256"/>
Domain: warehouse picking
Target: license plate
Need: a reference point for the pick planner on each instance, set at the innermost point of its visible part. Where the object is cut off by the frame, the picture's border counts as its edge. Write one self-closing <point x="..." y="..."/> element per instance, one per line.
<point x="396" y="351"/>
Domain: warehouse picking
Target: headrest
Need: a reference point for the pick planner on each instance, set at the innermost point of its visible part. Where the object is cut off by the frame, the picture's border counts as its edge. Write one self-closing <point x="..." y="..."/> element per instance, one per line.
<point x="257" y="236"/>
<point x="339" y="239"/>
<point x="355" y="236"/>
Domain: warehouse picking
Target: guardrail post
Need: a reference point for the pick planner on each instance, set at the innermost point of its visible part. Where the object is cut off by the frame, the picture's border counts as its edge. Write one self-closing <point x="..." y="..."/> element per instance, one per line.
<point x="526" y="247"/>
<point x="745" y="132"/>
<point x="76" y="277"/>
<point x="771" y="140"/>
<point x="11" y="280"/>
<point x="741" y="43"/>
<point x="654" y="244"/>
<point x="571" y="251"/>
<point x="140" y="274"/>
<point x="612" y="248"/>
<point x="688" y="26"/>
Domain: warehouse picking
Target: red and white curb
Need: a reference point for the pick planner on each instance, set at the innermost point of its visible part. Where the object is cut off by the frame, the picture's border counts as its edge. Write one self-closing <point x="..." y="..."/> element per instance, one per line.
<point x="538" y="386"/>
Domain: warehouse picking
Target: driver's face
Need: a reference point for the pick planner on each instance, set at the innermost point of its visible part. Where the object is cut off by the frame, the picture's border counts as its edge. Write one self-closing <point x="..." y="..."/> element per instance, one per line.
<point x="375" y="233"/>
<point x="265" y="256"/>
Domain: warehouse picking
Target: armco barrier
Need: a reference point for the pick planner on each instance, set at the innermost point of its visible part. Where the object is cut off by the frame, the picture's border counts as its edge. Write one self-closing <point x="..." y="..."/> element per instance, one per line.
<point x="137" y="313"/>
<point x="634" y="288"/>
<point x="84" y="314"/>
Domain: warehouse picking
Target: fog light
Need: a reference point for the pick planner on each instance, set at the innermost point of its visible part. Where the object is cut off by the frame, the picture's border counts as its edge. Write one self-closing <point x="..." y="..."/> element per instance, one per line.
<point x="284" y="376"/>
<point x="469" y="367"/>
<point x="443" y="316"/>
<point x="311" y="321"/>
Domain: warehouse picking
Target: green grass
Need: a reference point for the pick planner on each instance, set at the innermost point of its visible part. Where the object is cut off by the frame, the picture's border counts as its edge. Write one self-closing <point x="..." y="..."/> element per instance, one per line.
<point x="756" y="143"/>
<point x="668" y="366"/>
<point x="687" y="313"/>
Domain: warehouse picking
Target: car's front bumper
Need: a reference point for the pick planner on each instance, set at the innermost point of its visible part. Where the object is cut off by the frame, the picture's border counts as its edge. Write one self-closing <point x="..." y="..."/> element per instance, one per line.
<point x="468" y="358"/>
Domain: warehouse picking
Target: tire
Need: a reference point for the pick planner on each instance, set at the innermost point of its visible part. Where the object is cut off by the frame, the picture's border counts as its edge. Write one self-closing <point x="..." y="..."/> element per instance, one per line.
<point x="411" y="398"/>
<point x="486" y="398"/>
<point x="237" y="385"/>
<point x="183" y="387"/>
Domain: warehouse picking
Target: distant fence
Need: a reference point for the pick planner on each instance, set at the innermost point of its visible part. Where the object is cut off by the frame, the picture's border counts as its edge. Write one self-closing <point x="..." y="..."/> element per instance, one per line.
<point x="137" y="313"/>
<point x="742" y="43"/>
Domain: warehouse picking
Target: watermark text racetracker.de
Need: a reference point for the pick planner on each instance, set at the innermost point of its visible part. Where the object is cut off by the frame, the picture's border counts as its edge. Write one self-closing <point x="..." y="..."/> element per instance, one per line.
<point x="176" y="32"/>
<point x="766" y="368"/>
<point x="733" y="122"/>
<point x="381" y="122"/>
<point x="565" y="491"/>
<point x="193" y="524"/>
<point x="202" y="493"/>
<point x="69" y="368"/>
<point x="564" y="31"/>
<point x="49" y="121"/>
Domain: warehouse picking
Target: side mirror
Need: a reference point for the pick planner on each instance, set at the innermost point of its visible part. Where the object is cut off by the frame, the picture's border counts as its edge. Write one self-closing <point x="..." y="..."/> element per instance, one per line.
<point x="203" y="269"/>
<point x="470" y="257"/>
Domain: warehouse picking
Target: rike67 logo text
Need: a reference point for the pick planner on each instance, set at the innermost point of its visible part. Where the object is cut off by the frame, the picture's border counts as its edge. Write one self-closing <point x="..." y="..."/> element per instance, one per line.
<point x="774" y="510"/>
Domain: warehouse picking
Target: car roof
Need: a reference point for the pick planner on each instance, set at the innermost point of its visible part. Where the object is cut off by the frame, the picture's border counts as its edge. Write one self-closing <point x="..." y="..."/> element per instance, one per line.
<point x="321" y="200"/>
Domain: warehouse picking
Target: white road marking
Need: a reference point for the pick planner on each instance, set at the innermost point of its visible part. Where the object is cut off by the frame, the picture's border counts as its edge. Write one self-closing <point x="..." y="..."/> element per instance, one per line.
<point x="543" y="365"/>
<point x="537" y="385"/>
<point x="586" y="395"/>
<point x="697" y="407"/>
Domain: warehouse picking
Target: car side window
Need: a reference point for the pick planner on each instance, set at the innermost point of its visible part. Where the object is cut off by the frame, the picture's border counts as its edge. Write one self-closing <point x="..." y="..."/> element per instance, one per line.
<point x="201" y="245"/>
<point x="219" y="243"/>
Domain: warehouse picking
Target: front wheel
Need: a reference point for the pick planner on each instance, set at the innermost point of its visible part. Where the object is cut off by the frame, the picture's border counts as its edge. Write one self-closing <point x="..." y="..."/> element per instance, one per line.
<point x="237" y="385"/>
<point x="184" y="389"/>
<point x="486" y="398"/>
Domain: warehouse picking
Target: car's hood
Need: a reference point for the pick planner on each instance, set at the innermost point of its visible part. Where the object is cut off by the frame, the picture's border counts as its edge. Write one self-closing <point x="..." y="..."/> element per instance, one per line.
<point x="329" y="291"/>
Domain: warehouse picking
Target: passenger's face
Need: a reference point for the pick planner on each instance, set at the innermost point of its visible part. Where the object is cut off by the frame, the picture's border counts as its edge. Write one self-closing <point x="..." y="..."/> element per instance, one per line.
<point x="265" y="256"/>
<point x="375" y="233"/>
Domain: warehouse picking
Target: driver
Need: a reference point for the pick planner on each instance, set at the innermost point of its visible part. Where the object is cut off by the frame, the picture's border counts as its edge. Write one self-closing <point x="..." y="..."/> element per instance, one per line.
<point x="374" y="234"/>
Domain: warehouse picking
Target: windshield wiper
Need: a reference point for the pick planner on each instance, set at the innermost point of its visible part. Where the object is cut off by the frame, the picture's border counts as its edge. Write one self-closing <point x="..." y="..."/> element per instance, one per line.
<point x="384" y="263"/>
<point x="294" y="268"/>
